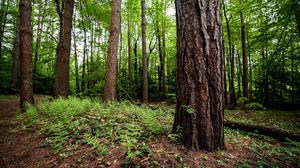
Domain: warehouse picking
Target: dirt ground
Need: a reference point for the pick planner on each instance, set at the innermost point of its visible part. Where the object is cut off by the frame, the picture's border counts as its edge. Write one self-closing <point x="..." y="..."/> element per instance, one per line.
<point x="20" y="148"/>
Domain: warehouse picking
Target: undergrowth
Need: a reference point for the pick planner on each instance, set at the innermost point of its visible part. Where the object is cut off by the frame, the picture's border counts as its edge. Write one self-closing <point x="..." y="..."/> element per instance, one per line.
<point x="72" y="123"/>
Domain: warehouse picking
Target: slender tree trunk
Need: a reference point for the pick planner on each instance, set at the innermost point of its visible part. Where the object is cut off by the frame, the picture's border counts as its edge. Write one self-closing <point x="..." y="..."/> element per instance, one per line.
<point x="200" y="75"/>
<point x="111" y="64"/>
<point x="15" y="71"/>
<point x="76" y="56"/>
<point x="163" y="63"/>
<point x="38" y="44"/>
<point x="2" y="23"/>
<point x="26" y="94"/>
<point x="130" y="78"/>
<point x="61" y="82"/>
<point x="135" y="67"/>
<point x="144" y="54"/>
<point x="292" y="83"/>
<point x="244" y="53"/>
<point x="91" y="68"/>
<point x="239" y="70"/>
<point x="231" y="58"/>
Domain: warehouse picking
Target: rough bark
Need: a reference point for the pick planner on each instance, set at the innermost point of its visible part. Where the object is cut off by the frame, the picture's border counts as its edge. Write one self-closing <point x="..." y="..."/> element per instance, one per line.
<point x="200" y="75"/>
<point x="111" y="63"/>
<point x="15" y="71"/>
<point x="61" y="82"/>
<point x="244" y="56"/>
<point x="26" y="92"/>
<point x="144" y="55"/>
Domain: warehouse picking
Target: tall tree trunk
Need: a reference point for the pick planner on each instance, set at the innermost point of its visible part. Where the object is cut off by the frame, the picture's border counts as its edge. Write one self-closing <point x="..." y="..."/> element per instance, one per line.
<point x="112" y="54"/>
<point x="40" y="23"/>
<point x="91" y="68"/>
<point x="292" y="83"/>
<point x="144" y="54"/>
<point x="130" y="78"/>
<point x="3" y="20"/>
<point x="61" y="82"/>
<point x="200" y="75"/>
<point x="76" y="57"/>
<point x="135" y="66"/>
<point x="244" y="53"/>
<point x="163" y="63"/>
<point x="231" y="58"/>
<point x="26" y="94"/>
<point x="239" y="73"/>
<point x="15" y="71"/>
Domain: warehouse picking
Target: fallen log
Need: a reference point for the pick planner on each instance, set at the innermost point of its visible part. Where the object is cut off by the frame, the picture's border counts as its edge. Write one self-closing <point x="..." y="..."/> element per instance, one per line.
<point x="268" y="131"/>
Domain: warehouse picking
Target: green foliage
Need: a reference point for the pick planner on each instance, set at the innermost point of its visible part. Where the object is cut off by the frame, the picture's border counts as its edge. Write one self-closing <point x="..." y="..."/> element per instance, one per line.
<point x="70" y="122"/>
<point x="254" y="106"/>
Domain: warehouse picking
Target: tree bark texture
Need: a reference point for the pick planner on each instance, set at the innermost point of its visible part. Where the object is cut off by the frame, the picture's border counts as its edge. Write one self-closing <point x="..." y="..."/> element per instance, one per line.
<point x="112" y="60"/>
<point x="26" y="93"/>
<point x="144" y="55"/>
<point x="200" y="75"/>
<point x="61" y="82"/>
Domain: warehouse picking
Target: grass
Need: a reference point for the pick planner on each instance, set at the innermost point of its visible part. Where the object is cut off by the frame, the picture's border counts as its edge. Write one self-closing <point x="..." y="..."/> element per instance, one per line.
<point x="84" y="128"/>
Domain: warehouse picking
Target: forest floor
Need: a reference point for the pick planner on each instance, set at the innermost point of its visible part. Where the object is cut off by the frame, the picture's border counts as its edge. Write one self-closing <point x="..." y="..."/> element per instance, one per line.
<point x="25" y="145"/>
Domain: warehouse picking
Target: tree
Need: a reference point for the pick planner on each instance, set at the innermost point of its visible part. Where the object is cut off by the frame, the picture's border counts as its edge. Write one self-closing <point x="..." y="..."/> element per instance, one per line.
<point x="200" y="77"/>
<point x="144" y="55"/>
<point x="26" y="93"/>
<point x="15" y="70"/>
<point x="61" y="82"/>
<point x="111" y="64"/>
<point x="244" y="55"/>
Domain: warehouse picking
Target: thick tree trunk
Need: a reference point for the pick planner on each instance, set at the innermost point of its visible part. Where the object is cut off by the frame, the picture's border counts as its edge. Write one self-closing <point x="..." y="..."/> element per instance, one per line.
<point x="61" y="82"/>
<point x="15" y="71"/>
<point x="200" y="75"/>
<point x="144" y="55"/>
<point x="111" y="64"/>
<point x="244" y="53"/>
<point x="26" y="94"/>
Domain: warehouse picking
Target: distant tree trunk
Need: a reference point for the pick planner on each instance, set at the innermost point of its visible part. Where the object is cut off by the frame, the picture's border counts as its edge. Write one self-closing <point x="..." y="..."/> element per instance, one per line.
<point x="135" y="66"/>
<point x="200" y="75"/>
<point x="61" y="82"/>
<point x="163" y="62"/>
<point x="244" y="53"/>
<point x="144" y="55"/>
<point x="3" y="20"/>
<point x="91" y="68"/>
<point x="76" y="57"/>
<point x="26" y="94"/>
<point x="296" y="9"/>
<point x="15" y="71"/>
<point x="130" y="78"/>
<point x="40" y="23"/>
<point x="239" y="70"/>
<point x="111" y="64"/>
<point x="292" y="83"/>
<point x="231" y="58"/>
